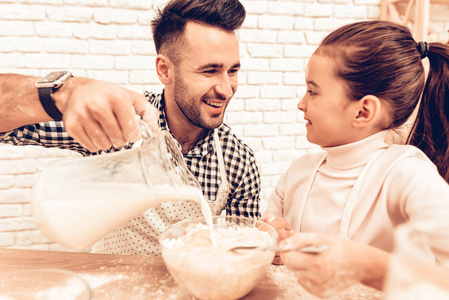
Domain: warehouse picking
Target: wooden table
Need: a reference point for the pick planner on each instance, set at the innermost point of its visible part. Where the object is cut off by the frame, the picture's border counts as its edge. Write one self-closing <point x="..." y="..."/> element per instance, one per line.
<point x="145" y="277"/>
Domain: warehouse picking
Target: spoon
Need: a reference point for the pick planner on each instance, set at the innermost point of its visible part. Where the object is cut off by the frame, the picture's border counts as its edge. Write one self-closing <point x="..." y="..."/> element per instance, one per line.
<point x="310" y="249"/>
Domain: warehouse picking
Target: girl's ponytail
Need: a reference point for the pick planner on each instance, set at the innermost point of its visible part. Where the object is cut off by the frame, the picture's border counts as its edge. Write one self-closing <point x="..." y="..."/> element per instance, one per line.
<point x="430" y="131"/>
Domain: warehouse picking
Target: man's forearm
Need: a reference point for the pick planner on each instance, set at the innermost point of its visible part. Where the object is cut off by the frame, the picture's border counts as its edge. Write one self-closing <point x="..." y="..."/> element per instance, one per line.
<point x="19" y="102"/>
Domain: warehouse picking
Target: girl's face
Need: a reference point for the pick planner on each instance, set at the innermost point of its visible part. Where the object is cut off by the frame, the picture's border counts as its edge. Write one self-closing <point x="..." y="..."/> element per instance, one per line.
<point x="328" y="111"/>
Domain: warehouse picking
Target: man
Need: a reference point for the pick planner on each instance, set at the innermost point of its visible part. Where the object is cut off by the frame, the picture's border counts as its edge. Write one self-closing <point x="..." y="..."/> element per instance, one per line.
<point x="197" y="61"/>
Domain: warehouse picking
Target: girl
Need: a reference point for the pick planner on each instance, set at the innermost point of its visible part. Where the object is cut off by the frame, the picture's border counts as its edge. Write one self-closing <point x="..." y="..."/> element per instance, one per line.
<point x="364" y="79"/>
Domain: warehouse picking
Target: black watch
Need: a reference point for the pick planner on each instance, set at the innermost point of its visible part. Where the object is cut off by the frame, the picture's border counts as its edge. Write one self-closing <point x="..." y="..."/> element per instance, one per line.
<point x="46" y="86"/>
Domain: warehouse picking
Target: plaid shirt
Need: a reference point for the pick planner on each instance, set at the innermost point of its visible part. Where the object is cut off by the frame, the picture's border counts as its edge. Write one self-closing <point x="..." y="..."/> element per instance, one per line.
<point x="241" y="169"/>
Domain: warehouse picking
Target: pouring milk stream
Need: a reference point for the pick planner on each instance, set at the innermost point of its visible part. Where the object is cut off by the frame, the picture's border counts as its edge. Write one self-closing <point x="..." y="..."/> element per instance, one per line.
<point x="78" y="201"/>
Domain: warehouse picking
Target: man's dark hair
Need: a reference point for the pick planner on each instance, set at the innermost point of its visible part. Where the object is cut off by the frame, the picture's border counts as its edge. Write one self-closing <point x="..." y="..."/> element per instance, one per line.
<point x="169" y="24"/>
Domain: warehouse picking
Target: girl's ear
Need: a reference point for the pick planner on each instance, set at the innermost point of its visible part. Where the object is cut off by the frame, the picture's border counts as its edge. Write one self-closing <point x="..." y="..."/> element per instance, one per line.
<point x="164" y="69"/>
<point x="369" y="112"/>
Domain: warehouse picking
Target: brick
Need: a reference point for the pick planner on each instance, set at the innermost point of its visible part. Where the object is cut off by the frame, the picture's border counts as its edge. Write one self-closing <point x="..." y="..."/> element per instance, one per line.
<point x="66" y="46"/>
<point x="25" y="180"/>
<point x="291" y="105"/>
<point x="53" y="29"/>
<point x="276" y="143"/>
<point x="31" y="237"/>
<point x="134" y="32"/>
<point x="135" y="62"/>
<point x="291" y="37"/>
<point x="264" y="77"/>
<point x="96" y="62"/>
<point x="254" y="36"/>
<point x="17" y="224"/>
<point x="253" y="143"/>
<point x="94" y="3"/>
<point x="318" y="10"/>
<point x="255" y="64"/>
<point x="15" y="195"/>
<point x="350" y="11"/>
<point x="278" y="168"/>
<point x="265" y="51"/>
<point x="10" y="60"/>
<point x="115" y="16"/>
<point x="285" y="8"/>
<point x="144" y="48"/>
<point x="293" y="78"/>
<point x="8" y="167"/>
<point x="6" y="182"/>
<point x="248" y="91"/>
<point x="276" y="22"/>
<point x="10" y="210"/>
<point x="143" y="76"/>
<point x="277" y="117"/>
<point x="51" y="61"/>
<point x="287" y="155"/>
<point x="261" y="130"/>
<point x="277" y="92"/>
<point x="16" y="28"/>
<point x="100" y="47"/>
<point x="23" y="12"/>
<point x="131" y="4"/>
<point x="78" y="14"/>
<point x="7" y="239"/>
<point x="96" y="31"/>
<point x="115" y="77"/>
<point x="262" y="105"/>
<point x="256" y="7"/>
<point x="236" y="104"/>
<point x="51" y="2"/>
<point x="295" y="129"/>
<point x="251" y="22"/>
<point x="286" y="64"/>
<point x="263" y="157"/>
<point x="245" y="117"/>
<point x="315" y="38"/>
<point x="10" y="152"/>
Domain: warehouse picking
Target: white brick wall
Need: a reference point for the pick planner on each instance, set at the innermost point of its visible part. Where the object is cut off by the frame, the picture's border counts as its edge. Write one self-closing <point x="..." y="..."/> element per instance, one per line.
<point x="111" y="40"/>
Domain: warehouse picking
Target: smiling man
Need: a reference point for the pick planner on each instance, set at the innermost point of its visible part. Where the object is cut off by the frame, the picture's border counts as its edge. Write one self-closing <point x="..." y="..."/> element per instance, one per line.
<point x="197" y="61"/>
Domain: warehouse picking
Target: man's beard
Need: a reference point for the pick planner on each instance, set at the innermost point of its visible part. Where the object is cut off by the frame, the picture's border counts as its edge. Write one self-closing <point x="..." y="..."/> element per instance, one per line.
<point x="190" y="107"/>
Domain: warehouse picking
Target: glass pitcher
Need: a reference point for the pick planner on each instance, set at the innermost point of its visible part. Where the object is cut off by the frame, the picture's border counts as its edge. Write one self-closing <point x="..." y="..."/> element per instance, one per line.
<point x="78" y="201"/>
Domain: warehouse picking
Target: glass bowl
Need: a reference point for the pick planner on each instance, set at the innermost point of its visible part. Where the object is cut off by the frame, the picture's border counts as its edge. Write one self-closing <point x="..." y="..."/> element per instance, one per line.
<point x="207" y="269"/>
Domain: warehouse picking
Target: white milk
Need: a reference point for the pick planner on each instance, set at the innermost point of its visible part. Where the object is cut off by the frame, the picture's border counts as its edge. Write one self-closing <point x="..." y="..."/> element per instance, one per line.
<point x="83" y="215"/>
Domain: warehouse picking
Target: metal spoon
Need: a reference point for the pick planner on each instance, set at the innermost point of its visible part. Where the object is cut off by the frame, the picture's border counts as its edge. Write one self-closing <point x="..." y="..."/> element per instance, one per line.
<point x="310" y="249"/>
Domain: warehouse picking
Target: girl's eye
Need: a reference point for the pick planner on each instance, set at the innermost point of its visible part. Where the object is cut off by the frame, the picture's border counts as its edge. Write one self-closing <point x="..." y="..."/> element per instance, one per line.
<point x="311" y="93"/>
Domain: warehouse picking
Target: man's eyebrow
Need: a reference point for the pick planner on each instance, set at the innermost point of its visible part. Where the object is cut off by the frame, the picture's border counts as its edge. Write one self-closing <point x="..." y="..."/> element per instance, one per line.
<point x="216" y="66"/>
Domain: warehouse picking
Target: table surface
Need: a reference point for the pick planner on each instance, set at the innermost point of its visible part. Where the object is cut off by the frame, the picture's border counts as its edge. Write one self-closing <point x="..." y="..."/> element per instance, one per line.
<point x="136" y="277"/>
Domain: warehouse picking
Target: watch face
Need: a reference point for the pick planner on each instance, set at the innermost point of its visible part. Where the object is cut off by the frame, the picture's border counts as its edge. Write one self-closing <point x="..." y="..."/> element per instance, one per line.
<point x="53" y="76"/>
<point x="54" y="79"/>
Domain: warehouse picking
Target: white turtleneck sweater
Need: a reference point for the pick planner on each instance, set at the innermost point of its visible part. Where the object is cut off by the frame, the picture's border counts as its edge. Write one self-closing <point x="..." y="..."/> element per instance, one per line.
<point x="362" y="191"/>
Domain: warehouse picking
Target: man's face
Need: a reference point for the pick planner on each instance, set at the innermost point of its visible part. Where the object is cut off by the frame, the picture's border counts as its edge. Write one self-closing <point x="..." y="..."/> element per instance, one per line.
<point x="206" y="75"/>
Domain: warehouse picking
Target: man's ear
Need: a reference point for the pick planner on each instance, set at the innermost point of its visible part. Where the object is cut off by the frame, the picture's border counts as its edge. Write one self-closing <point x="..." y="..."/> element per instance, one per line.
<point x="369" y="111"/>
<point x="164" y="69"/>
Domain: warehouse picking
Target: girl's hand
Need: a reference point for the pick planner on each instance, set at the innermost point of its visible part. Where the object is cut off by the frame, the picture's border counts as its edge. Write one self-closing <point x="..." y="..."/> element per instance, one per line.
<point x="283" y="228"/>
<point x="341" y="265"/>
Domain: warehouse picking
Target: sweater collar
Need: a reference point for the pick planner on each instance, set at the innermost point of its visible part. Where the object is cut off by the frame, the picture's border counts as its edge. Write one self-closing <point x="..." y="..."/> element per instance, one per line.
<point x="355" y="154"/>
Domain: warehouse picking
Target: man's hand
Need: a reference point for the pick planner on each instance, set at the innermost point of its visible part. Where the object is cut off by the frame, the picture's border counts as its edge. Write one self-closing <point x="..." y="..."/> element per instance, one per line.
<point x="99" y="115"/>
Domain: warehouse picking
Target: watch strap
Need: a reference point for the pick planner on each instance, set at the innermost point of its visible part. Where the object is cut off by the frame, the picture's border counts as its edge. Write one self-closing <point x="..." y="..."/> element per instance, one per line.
<point x="48" y="103"/>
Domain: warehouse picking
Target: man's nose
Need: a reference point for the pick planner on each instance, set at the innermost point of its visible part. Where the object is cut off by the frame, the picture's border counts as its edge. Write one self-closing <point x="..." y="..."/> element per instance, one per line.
<point x="225" y="87"/>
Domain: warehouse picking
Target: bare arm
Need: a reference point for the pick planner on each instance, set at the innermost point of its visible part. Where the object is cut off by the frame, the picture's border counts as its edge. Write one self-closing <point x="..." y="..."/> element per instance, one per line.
<point x="19" y="102"/>
<point x="95" y="113"/>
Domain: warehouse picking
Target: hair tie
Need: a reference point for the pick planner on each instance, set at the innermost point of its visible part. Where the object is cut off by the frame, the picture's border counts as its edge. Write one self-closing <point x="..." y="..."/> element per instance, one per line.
<point x="423" y="49"/>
